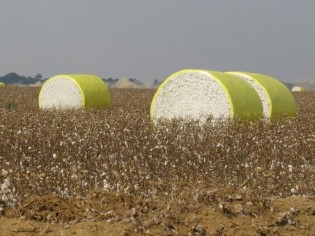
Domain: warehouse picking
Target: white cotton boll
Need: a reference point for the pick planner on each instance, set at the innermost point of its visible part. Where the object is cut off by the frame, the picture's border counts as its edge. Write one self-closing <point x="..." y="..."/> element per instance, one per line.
<point x="290" y="168"/>
<point x="4" y="172"/>
<point x="7" y="182"/>
<point x="3" y="188"/>
<point x="136" y="187"/>
<point x="4" y="198"/>
<point x="219" y="145"/>
<point x="292" y="210"/>
<point x="65" y="192"/>
<point x="10" y="196"/>
<point x="273" y="165"/>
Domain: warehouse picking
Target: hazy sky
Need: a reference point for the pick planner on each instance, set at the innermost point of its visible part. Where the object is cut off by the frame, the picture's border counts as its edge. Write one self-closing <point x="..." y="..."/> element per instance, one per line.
<point x="148" y="39"/>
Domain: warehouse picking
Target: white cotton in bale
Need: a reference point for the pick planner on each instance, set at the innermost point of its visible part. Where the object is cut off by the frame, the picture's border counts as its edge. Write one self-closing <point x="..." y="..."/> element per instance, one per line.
<point x="194" y="94"/>
<point x="73" y="92"/>
<point x="276" y="98"/>
<point x="297" y="89"/>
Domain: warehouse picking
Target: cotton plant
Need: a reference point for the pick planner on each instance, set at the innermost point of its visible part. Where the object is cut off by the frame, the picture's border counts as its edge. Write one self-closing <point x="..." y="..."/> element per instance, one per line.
<point x="7" y="196"/>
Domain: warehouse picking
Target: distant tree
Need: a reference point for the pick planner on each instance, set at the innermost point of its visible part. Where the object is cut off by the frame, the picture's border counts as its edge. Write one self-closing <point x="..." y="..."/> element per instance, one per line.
<point x="156" y="83"/>
<point x="11" y="78"/>
<point x="110" y="81"/>
<point x="14" y="78"/>
<point x="135" y="81"/>
<point x="38" y="76"/>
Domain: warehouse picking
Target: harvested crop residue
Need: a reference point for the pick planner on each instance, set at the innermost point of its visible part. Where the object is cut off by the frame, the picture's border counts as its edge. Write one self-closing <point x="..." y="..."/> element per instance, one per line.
<point x="212" y="212"/>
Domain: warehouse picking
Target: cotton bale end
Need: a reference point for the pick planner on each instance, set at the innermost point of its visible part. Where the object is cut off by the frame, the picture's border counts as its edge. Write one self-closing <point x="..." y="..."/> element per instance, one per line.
<point x="195" y="94"/>
<point x="297" y="89"/>
<point x="276" y="98"/>
<point x="74" y="91"/>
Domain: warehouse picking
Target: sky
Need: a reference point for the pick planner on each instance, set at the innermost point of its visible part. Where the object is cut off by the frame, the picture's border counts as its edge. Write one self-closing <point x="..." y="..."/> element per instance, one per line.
<point x="149" y="40"/>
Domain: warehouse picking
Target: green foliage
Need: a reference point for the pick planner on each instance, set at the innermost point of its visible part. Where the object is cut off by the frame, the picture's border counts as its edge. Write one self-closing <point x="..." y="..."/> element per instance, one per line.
<point x="14" y="78"/>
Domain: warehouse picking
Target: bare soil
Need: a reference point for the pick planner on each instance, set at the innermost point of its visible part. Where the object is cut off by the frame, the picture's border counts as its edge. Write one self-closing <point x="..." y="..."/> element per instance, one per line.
<point x="215" y="213"/>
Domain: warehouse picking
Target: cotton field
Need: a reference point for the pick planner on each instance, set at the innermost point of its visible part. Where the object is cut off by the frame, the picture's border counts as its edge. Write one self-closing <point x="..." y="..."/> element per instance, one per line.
<point x="71" y="154"/>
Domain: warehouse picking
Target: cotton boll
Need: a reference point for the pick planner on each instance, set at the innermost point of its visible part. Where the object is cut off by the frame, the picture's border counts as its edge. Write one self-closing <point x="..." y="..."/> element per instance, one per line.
<point x="5" y="186"/>
<point x="290" y="168"/>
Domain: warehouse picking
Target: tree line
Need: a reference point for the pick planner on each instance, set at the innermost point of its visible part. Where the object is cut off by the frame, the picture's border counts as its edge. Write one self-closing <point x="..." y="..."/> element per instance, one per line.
<point x="15" y="79"/>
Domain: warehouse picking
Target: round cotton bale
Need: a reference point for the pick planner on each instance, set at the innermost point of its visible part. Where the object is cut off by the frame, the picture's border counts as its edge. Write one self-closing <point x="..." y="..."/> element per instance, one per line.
<point x="74" y="91"/>
<point x="197" y="94"/>
<point x="276" y="98"/>
<point x="2" y="84"/>
<point x="297" y="89"/>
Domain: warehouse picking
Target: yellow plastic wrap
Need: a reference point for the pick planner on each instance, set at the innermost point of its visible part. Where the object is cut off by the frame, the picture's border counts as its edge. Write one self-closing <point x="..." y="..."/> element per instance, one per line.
<point x="280" y="98"/>
<point x="2" y="84"/>
<point x="94" y="91"/>
<point x="243" y="100"/>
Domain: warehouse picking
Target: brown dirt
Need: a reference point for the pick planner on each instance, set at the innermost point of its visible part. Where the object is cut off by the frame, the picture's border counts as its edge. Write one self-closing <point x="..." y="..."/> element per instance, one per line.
<point x="213" y="213"/>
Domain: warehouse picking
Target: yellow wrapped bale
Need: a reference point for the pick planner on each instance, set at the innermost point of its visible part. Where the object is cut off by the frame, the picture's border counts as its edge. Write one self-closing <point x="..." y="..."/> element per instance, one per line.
<point x="197" y="94"/>
<point x="2" y="84"/>
<point x="74" y="91"/>
<point x="277" y="100"/>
